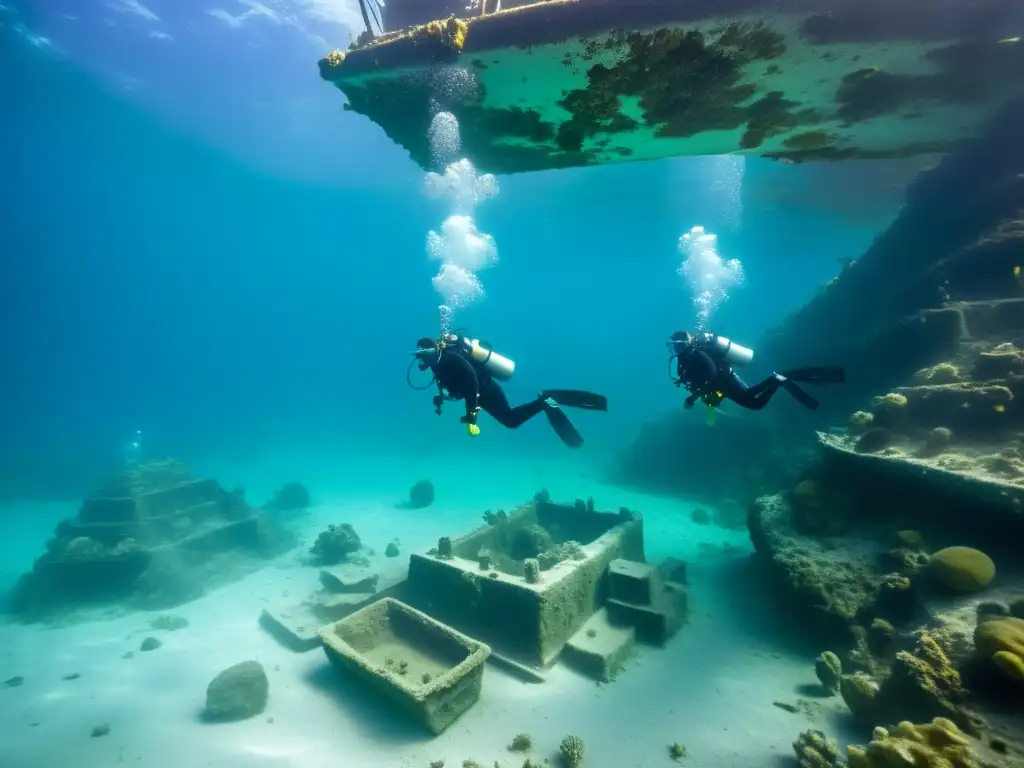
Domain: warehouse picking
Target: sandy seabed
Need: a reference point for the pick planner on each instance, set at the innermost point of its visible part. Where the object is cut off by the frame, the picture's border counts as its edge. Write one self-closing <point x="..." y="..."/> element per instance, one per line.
<point x="712" y="689"/>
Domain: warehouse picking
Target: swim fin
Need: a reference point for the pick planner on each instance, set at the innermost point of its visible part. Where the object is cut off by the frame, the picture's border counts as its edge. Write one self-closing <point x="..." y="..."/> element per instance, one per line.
<point x="562" y="426"/>
<point x="799" y="395"/>
<point x="576" y="398"/>
<point x="816" y="375"/>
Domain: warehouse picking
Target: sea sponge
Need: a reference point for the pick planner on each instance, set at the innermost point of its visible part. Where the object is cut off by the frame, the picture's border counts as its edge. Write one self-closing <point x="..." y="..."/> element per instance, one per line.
<point x="962" y="569"/>
<point x="532" y="571"/>
<point x="1003" y="641"/>
<point x="939" y="744"/>
<point x="829" y="670"/>
<point x="572" y="751"/>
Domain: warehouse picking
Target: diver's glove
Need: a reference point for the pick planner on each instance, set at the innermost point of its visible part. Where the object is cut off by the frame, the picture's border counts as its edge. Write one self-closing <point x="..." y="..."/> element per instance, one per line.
<point x="470" y="421"/>
<point x="688" y="403"/>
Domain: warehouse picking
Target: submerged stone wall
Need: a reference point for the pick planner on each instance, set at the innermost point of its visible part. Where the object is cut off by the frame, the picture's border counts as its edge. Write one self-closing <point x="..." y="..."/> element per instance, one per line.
<point x="943" y="286"/>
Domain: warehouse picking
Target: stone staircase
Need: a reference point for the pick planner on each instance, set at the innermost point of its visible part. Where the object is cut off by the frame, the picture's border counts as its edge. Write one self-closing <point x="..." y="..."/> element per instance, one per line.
<point x="647" y="604"/>
<point x="645" y="597"/>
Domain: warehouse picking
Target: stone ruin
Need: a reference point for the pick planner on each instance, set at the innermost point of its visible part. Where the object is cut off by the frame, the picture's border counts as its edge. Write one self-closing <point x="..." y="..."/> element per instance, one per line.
<point x="545" y="583"/>
<point x="150" y="537"/>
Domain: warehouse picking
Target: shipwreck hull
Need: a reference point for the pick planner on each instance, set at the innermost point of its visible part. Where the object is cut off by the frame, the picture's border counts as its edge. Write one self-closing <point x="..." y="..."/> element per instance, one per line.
<point x="570" y="83"/>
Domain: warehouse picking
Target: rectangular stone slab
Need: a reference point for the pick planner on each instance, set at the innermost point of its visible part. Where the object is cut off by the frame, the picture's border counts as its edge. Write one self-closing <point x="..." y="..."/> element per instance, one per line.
<point x="295" y="628"/>
<point x="420" y="665"/>
<point x="600" y="648"/>
<point x="633" y="582"/>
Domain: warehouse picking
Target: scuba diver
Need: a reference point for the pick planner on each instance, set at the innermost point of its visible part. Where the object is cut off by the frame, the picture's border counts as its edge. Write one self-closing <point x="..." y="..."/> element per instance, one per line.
<point x="704" y="366"/>
<point x="465" y="369"/>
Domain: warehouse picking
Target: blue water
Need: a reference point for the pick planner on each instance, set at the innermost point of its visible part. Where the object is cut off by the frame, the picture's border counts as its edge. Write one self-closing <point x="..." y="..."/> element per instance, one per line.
<point x="256" y="321"/>
<point x="155" y="282"/>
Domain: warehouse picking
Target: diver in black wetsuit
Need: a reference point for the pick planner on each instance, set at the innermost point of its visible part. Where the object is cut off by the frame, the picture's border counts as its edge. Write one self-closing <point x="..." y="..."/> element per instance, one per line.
<point x="704" y="366"/>
<point x="466" y="370"/>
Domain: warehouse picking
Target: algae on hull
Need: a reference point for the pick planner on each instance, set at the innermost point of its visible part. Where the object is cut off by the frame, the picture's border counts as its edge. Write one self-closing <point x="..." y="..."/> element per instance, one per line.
<point x="567" y="83"/>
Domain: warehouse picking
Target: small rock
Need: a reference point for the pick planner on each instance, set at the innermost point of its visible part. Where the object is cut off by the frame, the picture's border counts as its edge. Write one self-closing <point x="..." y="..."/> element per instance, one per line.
<point x="421" y="495"/>
<point x="391" y="550"/>
<point x="237" y="693"/>
<point x="792" y="708"/>
<point x="127" y="655"/>
<point x="700" y="516"/>
<point x="72" y="676"/>
<point x="169" y="621"/>
<point x="100" y="730"/>
<point x="150" y="644"/>
<point x="14" y="682"/>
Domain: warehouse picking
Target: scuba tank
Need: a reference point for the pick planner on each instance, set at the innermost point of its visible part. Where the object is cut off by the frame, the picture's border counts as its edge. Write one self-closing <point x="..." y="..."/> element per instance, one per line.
<point x="499" y="366"/>
<point x="735" y="354"/>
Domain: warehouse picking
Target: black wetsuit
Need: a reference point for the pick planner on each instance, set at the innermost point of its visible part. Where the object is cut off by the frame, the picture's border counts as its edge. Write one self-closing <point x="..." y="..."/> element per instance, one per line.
<point x="704" y="372"/>
<point x="465" y="381"/>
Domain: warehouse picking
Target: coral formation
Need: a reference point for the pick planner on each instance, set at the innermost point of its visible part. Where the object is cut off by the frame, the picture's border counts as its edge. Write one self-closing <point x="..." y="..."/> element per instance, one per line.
<point x="531" y="570"/>
<point x="924" y="684"/>
<point x="335" y="544"/>
<point x="962" y="569"/>
<point x="939" y="744"/>
<point x="814" y="750"/>
<point x="572" y="751"/>
<point x="521" y="743"/>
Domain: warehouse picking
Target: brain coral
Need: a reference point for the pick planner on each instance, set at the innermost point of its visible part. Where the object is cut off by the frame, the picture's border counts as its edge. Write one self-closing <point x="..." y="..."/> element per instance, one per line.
<point x="963" y="569"/>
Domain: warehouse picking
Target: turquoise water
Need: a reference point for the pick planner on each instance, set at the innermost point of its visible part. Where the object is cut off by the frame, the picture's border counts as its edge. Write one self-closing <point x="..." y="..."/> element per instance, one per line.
<point x="256" y="323"/>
